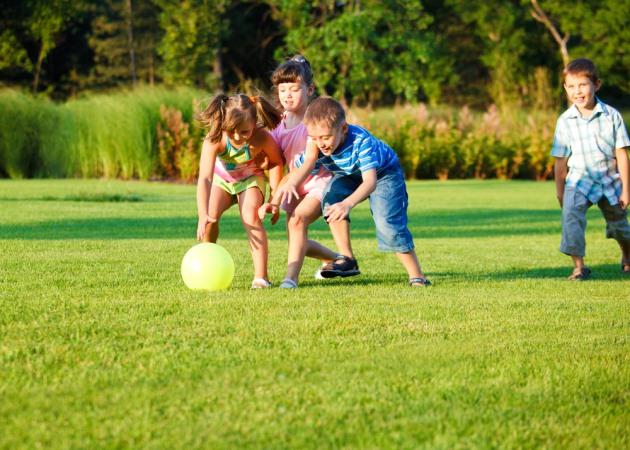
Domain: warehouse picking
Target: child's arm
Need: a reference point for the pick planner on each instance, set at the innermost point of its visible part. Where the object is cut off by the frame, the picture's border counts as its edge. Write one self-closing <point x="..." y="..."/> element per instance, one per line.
<point x="273" y="156"/>
<point x="560" y="174"/>
<point x="209" y="152"/>
<point x="623" y="165"/>
<point x="298" y="174"/>
<point x="339" y="211"/>
<point x="276" y="162"/>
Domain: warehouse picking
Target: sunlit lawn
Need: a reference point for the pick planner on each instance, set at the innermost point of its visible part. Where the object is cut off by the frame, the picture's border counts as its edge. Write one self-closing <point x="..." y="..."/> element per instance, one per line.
<point x="102" y="346"/>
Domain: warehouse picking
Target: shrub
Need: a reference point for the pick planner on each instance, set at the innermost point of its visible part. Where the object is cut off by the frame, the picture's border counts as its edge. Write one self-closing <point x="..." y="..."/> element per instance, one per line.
<point x="178" y="150"/>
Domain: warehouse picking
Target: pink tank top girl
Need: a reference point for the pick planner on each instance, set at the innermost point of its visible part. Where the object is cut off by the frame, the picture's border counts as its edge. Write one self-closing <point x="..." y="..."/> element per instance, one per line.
<point x="293" y="143"/>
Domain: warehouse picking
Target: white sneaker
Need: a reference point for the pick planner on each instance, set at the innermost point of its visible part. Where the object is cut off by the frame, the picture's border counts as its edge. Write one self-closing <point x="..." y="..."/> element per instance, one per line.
<point x="260" y="283"/>
<point x="318" y="273"/>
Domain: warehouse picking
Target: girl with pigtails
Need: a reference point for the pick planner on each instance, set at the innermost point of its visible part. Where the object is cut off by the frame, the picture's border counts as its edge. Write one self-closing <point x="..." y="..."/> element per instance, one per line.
<point x="229" y="171"/>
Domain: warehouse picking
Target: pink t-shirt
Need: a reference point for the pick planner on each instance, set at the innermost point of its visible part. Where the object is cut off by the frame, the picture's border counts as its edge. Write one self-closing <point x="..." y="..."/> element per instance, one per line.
<point x="292" y="142"/>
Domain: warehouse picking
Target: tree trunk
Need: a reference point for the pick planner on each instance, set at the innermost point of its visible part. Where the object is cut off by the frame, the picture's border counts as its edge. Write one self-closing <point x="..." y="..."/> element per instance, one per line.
<point x="132" y="53"/>
<point x="539" y="15"/>
<point x="38" y="68"/>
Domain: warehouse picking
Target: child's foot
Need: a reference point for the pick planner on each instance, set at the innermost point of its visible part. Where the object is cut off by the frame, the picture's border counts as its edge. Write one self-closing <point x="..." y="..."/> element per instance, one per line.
<point x="342" y="266"/>
<point x="288" y="283"/>
<point x="580" y="274"/>
<point x="625" y="266"/>
<point x="260" y="283"/>
<point x="419" y="282"/>
<point x="318" y="273"/>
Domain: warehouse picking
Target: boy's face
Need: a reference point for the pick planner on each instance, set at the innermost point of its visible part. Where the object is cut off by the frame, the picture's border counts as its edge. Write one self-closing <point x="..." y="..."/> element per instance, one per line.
<point x="325" y="137"/>
<point x="581" y="91"/>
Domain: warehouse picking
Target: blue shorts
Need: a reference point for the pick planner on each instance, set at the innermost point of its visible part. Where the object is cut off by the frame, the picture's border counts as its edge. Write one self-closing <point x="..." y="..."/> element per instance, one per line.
<point x="388" y="205"/>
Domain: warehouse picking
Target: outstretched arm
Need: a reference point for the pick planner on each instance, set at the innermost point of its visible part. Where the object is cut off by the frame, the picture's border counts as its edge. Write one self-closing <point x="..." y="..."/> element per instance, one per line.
<point x="560" y="174"/>
<point x="207" y="160"/>
<point x="299" y="174"/>
<point x="623" y="165"/>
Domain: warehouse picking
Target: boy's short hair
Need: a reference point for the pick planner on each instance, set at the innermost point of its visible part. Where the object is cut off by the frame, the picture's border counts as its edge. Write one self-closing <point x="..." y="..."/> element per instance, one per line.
<point x="581" y="66"/>
<point x="325" y="110"/>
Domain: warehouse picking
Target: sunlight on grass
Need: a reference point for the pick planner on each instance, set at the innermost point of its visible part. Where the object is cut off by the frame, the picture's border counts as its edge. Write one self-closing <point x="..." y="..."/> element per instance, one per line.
<point x="103" y="347"/>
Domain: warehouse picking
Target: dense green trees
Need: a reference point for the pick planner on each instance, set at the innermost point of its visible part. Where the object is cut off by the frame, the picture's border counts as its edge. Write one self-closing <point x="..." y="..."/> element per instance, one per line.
<point x="368" y="52"/>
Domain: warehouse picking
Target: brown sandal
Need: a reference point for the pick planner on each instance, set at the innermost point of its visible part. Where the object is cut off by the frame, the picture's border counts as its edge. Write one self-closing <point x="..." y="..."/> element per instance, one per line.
<point x="419" y="282"/>
<point x="580" y="274"/>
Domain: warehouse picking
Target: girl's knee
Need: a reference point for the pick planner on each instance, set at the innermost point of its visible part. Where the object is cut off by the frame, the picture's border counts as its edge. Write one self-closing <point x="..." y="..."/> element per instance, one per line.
<point x="297" y="222"/>
<point x="250" y="218"/>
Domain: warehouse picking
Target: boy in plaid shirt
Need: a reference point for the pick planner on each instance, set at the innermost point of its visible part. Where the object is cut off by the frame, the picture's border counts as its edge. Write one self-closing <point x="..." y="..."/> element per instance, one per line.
<point x="590" y="146"/>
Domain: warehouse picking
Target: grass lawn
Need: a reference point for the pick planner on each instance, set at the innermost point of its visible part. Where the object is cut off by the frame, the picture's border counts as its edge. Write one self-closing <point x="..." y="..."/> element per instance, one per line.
<point x="102" y="346"/>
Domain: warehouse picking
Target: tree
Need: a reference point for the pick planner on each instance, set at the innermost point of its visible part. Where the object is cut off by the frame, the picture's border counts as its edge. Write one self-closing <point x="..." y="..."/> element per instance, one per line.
<point x="500" y="28"/>
<point x="124" y="40"/>
<point x="44" y="25"/>
<point x="540" y="15"/>
<point x="190" y="44"/>
<point x="12" y="54"/>
<point x="365" y="51"/>
<point x="593" y="29"/>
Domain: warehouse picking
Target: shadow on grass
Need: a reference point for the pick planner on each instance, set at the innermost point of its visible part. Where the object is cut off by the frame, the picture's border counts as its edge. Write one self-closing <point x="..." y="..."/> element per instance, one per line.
<point x="430" y="224"/>
<point x="601" y="272"/>
<point x="607" y="272"/>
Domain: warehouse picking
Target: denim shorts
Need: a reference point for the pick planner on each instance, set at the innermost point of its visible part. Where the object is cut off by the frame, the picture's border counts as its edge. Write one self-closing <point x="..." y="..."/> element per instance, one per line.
<point x="388" y="205"/>
<point x="574" y="207"/>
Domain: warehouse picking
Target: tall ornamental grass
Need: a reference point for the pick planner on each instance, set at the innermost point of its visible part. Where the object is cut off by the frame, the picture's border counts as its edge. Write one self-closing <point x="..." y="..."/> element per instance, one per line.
<point x="104" y="135"/>
<point x="150" y="133"/>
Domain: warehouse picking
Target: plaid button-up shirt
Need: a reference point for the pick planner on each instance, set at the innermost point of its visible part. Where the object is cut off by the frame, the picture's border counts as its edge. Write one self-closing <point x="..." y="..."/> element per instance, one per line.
<point x="590" y="145"/>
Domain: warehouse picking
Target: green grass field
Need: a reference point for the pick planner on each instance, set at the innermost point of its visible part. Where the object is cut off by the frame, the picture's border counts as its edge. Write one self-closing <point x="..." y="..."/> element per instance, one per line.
<point x="102" y="346"/>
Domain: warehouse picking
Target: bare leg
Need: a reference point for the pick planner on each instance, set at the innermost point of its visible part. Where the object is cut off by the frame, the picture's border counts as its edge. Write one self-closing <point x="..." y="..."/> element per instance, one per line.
<point x="341" y="234"/>
<point x="218" y="203"/>
<point x="578" y="262"/>
<point x="316" y="250"/>
<point x="625" y="255"/>
<point x="410" y="262"/>
<point x="306" y="213"/>
<point x="249" y="201"/>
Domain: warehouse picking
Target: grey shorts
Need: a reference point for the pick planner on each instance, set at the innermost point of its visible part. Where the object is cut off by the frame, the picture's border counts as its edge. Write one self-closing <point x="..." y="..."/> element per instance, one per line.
<point x="574" y="207"/>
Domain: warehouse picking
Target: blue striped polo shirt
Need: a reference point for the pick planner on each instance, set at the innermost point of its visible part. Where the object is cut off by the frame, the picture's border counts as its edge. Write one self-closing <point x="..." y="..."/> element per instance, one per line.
<point x="359" y="152"/>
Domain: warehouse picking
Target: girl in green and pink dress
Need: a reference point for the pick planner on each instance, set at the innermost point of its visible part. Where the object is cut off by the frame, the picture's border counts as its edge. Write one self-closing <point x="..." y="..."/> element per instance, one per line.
<point x="229" y="172"/>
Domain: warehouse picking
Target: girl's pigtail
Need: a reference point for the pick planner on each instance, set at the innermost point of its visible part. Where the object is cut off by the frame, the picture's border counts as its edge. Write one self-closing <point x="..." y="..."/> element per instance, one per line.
<point x="213" y="117"/>
<point x="267" y="112"/>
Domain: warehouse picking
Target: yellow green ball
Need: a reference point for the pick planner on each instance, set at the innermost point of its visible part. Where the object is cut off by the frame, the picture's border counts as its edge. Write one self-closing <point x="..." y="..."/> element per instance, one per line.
<point x="207" y="267"/>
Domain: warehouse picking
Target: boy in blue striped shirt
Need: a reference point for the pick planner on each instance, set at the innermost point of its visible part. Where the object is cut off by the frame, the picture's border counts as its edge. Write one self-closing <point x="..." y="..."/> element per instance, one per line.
<point x="590" y="146"/>
<point x="362" y="167"/>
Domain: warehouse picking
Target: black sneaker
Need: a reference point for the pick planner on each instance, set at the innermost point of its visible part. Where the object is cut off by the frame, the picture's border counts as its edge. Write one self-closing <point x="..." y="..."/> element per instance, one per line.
<point x="343" y="266"/>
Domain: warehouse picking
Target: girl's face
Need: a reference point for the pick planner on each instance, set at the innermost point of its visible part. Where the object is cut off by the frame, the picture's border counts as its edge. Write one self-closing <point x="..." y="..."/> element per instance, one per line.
<point x="242" y="133"/>
<point x="294" y="96"/>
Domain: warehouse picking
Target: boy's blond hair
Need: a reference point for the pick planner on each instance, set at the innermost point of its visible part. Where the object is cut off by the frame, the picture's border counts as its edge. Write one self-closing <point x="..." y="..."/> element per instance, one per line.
<point x="325" y="110"/>
<point x="581" y="66"/>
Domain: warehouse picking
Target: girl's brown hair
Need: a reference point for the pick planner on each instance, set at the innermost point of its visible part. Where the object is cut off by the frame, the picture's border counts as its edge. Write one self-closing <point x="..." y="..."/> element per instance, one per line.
<point x="226" y="113"/>
<point x="294" y="70"/>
